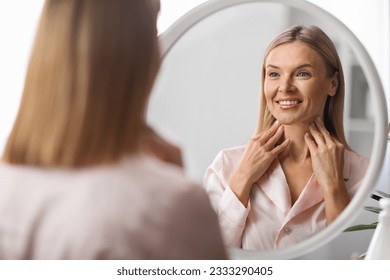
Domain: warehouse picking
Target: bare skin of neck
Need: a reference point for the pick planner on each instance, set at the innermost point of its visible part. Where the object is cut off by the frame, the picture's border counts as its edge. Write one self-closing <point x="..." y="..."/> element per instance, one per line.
<point x="296" y="157"/>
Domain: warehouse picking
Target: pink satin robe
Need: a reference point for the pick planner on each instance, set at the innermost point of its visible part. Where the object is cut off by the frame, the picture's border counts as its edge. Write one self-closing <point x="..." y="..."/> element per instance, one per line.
<point x="269" y="221"/>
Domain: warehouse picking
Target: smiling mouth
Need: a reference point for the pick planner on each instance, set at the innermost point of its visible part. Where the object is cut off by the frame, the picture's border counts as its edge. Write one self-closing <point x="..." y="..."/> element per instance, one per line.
<point x="288" y="102"/>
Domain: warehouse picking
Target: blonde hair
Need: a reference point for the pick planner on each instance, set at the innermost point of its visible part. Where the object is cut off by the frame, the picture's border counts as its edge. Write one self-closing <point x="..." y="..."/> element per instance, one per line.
<point x="90" y="73"/>
<point x="316" y="39"/>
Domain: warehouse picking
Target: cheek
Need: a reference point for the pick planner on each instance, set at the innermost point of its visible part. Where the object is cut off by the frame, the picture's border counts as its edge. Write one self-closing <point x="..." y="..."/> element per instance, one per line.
<point x="269" y="91"/>
<point x="316" y="101"/>
<point x="269" y="101"/>
<point x="315" y="92"/>
<point x="320" y="99"/>
<point x="316" y="88"/>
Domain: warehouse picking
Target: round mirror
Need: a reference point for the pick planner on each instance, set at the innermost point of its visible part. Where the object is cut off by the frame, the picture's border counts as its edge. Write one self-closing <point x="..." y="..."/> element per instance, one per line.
<point x="206" y="97"/>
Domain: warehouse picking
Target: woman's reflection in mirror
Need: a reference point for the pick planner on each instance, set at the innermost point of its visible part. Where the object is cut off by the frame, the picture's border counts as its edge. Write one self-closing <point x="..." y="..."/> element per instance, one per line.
<point x="297" y="173"/>
<point x="80" y="177"/>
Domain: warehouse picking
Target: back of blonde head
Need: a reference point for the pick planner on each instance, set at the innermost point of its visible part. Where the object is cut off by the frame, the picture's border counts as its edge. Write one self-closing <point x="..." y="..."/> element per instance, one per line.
<point x="90" y="73"/>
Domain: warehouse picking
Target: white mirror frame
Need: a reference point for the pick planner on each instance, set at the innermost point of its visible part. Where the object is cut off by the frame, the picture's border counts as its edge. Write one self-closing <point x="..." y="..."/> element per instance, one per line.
<point x="182" y="25"/>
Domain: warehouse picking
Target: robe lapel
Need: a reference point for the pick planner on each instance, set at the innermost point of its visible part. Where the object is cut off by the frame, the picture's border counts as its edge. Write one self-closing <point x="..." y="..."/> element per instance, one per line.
<point x="312" y="192"/>
<point x="275" y="187"/>
<point x="310" y="196"/>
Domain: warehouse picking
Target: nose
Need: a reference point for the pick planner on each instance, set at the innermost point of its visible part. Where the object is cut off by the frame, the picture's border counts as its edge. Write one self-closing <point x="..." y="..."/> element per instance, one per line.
<point x="286" y="85"/>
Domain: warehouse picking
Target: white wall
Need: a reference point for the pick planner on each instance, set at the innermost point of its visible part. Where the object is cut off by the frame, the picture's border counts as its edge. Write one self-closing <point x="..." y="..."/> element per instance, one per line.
<point x="18" y="19"/>
<point x="171" y="10"/>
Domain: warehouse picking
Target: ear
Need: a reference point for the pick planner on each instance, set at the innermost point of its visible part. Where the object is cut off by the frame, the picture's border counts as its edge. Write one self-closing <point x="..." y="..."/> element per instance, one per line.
<point x="334" y="84"/>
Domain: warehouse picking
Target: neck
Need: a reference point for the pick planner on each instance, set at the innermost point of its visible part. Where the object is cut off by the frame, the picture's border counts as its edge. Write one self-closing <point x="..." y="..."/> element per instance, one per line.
<point x="297" y="149"/>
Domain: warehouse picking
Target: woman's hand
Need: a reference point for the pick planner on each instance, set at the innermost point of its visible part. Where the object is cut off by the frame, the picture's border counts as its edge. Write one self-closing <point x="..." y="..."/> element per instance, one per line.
<point x="327" y="157"/>
<point x="259" y="153"/>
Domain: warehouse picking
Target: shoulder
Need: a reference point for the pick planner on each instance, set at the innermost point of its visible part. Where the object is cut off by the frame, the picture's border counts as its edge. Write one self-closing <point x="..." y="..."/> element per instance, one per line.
<point x="160" y="184"/>
<point x="158" y="208"/>
<point x="188" y="229"/>
<point x="228" y="157"/>
<point x="224" y="164"/>
<point x="142" y="201"/>
<point x="231" y="152"/>
<point x="151" y="169"/>
<point x="177" y="208"/>
<point x="355" y="165"/>
<point x="150" y="180"/>
<point x="356" y="160"/>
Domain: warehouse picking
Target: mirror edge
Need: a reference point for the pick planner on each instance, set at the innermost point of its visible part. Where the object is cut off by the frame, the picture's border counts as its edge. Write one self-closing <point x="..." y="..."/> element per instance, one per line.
<point x="167" y="40"/>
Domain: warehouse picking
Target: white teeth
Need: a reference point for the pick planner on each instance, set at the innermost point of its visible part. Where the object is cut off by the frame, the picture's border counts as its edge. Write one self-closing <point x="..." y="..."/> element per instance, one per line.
<point x="288" y="102"/>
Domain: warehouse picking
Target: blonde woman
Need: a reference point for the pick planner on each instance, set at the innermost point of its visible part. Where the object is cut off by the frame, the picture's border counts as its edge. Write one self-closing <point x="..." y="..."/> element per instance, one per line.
<point x="297" y="174"/>
<point x="76" y="180"/>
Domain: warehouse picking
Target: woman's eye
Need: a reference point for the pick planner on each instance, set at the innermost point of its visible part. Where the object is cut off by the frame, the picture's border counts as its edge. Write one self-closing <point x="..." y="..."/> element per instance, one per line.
<point x="303" y="74"/>
<point x="273" y="74"/>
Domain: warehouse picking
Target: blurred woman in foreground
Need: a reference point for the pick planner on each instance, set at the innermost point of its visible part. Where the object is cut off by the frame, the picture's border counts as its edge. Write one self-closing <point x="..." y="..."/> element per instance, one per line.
<point x="76" y="178"/>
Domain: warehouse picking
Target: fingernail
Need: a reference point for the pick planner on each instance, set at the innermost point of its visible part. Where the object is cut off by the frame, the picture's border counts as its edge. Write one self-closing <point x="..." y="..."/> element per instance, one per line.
<point x="318" y="119"/>
<point x="276" y="122"/>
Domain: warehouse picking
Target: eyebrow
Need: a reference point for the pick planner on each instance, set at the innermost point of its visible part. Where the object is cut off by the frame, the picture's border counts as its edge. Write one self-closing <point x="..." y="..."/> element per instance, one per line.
<point x="300" y="66"/>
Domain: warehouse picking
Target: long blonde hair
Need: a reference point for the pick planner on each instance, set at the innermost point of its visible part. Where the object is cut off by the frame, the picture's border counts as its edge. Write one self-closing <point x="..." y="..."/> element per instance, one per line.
<point x="90" y="73"/>
<point x="316" y="39"/>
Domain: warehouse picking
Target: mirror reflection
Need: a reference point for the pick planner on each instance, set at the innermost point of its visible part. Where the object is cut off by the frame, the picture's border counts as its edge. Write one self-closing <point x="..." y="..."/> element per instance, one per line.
<point x="207" y="100"/>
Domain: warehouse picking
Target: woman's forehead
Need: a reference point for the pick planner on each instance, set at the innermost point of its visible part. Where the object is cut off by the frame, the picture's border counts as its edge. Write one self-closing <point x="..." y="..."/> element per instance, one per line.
<point x="293" y="53"/>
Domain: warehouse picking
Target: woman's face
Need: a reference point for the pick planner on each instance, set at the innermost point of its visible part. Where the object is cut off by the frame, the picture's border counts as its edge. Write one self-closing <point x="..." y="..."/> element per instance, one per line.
<point x="296" y="84"/>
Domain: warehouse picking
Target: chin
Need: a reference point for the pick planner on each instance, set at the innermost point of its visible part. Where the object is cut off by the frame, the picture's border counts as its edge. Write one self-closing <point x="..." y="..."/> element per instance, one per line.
<point x="286" y="121"/>
<point x="292" y="121"/>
